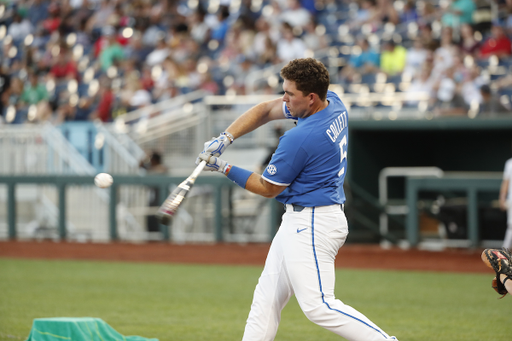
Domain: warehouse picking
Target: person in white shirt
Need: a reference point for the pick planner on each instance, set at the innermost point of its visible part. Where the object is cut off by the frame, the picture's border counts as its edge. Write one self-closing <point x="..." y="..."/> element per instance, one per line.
<point x="505" y="201"/>
<point x="294" y="14"/>
<point x="290" y="47"/>
<point x="19" y="28"/>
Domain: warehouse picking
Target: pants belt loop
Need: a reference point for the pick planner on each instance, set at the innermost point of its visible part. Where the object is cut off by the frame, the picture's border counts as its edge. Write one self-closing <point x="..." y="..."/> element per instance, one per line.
<point x="297" y="208"/>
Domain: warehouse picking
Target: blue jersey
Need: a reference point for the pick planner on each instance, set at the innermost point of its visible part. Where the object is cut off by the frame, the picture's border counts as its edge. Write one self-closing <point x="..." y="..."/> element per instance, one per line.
<point x="311" y="159"/>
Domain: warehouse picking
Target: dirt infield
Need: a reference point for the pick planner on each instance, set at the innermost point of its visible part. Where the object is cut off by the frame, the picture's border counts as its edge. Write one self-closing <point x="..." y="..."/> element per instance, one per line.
<point x="350" y="256"/>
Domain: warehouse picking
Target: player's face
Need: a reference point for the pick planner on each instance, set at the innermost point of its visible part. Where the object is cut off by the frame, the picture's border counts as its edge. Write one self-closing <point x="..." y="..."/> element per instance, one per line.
<point x="296" y="102"/>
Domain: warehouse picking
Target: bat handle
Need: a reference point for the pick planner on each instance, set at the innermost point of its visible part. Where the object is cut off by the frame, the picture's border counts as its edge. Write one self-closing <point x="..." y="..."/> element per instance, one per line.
<point x="198" y="169"/>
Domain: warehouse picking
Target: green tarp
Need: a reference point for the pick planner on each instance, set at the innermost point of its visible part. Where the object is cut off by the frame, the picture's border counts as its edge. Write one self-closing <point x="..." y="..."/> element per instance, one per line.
<point x="76" y="329"/>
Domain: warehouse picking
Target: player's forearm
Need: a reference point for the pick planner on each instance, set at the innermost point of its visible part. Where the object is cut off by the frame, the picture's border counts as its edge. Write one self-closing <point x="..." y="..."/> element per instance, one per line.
<point x="256" y="184"/>
<point x="508" y="284"/>
<point x="253" y="182"/>
<point x="504" y="190"/>
<point x="255" y="117"/>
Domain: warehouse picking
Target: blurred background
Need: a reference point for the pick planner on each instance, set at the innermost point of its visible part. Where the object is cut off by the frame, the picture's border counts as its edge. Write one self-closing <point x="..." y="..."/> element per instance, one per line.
<point x="134" y="88"/>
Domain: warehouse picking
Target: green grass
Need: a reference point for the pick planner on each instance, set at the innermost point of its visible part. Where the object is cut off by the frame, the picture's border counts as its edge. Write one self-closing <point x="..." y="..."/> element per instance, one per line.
<point x="211" y="303"/>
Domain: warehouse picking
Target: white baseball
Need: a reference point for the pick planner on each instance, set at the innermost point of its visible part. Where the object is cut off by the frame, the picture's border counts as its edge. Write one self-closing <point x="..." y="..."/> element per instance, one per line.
<point x="103" y="180"/>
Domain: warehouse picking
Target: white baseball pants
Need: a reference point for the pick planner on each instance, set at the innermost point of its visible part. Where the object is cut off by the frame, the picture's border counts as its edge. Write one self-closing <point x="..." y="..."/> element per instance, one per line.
<point x="301" y="262"/>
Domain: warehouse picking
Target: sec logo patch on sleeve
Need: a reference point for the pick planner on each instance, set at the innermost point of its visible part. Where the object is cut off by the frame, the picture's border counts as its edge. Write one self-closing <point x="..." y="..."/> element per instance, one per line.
<point x="271" y="169"/>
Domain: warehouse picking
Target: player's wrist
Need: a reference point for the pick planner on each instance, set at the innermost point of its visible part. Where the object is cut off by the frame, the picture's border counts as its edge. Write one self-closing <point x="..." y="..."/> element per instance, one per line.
<point x="229" y="136"/>
<point x="238" y="175"/>
<point x="226" y="169"/>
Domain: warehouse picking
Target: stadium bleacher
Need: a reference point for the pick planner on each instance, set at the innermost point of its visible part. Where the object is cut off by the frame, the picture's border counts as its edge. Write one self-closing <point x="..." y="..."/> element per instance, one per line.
<point x="147" y="51"/>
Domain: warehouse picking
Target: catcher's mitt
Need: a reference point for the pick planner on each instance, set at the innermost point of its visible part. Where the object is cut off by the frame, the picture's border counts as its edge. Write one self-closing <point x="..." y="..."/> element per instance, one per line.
<point x="499" y="287"/>
<point x="500" y="260"/>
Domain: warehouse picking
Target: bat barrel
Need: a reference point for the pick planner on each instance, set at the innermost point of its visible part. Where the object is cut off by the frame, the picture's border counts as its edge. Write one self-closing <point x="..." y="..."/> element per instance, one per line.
<point x="174" y="200"/>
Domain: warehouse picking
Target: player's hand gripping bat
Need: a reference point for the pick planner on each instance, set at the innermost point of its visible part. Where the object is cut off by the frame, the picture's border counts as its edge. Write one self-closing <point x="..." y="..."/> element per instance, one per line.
<point x="173" y="201"/>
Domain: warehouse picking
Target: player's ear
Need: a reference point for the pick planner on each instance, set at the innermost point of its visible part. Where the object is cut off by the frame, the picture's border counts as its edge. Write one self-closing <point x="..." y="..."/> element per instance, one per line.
<point x="312" y="97"/>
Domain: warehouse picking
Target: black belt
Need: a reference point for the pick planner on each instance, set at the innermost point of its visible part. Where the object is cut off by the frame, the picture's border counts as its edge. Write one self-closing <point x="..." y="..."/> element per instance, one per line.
<point x="299" y="208"/>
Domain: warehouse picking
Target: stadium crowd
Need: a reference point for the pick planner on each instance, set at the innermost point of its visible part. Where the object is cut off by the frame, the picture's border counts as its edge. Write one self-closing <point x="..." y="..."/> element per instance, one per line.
<point x="77" y="60"/>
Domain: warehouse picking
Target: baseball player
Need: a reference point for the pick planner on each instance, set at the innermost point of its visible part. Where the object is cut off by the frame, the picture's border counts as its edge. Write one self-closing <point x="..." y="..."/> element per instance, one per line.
<point x="506" y="193"/>
<point x="306" y="174"/>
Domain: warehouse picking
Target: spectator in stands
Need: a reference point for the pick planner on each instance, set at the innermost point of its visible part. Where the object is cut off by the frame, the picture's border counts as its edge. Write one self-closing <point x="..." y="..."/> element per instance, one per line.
<point x="35" y="94"/>
<point x="52" y="22"/>
<point x="16" y="89"/>
<point x="153" y="33"/>
<point x="233" y="46"/>
<point x="113" y="53"/>
<point x="139" y="97"/>
<point x="313" y="38"/>
<point x="172" y="73"/>
<point x="409" y="13"/>
<point x="422" y="83"/>
<point x="264" y="44"/>
<point x="470" y="89"/>
<point x="105" y="102"/>
<point x="67" y="25"/>
<point x="387" y="12"/>
<point x="220" y="30"/>
<point x="427" y="37"/>
<point x="82" y="14"/>
<point x="458" y="12"/>
<point x="64" y="68"/>
<point x="416" y="56"/>
<point x="290" y="47"/>
<point x="498" y="44"/>
<point x="136" y="50"/>
<point x="460" y="71"/>
<point x="269" y="54"/>
<point x="367" y="13"/>
<point x="82" y="37"/>
<point x="19" y="28"/>
<point x="295" y="15"/>
<point x="146" y="79"/>
<point x="492" y="105"/>
<point x="468" y="44"/>
<point x="187" y="48"/>
<point x="37" y="12"/>
<point x="504" y="82"/>
<point x="5" y="89"/>
<point x="208" y="84"/>
<point x="100" y="17"/>
<point x="506" y="19"/>
<point x="363" y="60"/>
<point x="199" y="30"/>
<point x="392" y="58"/>
<point x="161" y="51"/>
<point x="443" y="55"/>
<point x="240" y="70"/>
<point x="448" y="101"/>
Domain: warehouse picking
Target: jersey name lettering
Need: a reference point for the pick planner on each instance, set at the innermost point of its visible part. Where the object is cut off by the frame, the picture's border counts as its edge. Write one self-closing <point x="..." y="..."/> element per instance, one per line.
<point x="337" y="126"/>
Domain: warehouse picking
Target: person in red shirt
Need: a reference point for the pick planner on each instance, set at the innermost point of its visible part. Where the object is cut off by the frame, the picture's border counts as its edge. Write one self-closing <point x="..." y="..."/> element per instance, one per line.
<point x="497" y="44"/>
<point x="64" y="68"/>
<point x="52" y="23"/>
<point x="103" y="111"/>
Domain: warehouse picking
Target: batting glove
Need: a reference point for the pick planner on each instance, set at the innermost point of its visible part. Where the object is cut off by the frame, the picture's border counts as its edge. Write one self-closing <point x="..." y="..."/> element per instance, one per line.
<point x="214" y="164"/>
<point x="216" y="146"/>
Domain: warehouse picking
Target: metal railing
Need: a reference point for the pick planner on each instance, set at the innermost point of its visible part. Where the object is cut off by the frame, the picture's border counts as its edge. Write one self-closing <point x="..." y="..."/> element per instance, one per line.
<point x="204" y="217"/>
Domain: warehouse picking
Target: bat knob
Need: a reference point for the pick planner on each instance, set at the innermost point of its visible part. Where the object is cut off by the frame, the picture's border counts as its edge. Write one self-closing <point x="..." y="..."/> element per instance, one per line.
<point x="164" y="219"/>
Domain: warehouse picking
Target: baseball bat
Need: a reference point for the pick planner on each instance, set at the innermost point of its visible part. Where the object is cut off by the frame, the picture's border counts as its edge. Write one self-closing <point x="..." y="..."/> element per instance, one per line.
<point x="174" y="200"/>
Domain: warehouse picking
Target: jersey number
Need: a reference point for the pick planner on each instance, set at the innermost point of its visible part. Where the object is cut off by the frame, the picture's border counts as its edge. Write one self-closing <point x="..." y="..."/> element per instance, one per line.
<point x="343" y="154"/>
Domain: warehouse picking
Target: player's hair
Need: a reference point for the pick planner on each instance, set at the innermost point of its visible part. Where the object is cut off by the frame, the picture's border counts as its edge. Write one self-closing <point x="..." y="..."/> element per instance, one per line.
<point x="309" y="75"/>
